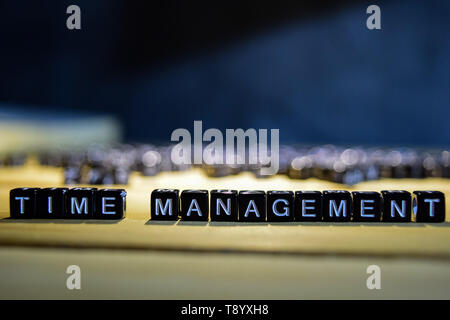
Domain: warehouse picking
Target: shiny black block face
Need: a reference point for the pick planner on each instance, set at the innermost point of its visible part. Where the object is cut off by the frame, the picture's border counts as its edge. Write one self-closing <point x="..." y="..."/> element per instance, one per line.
<point x="22" y="203"/>
<point x="110" y="204"/>
<point x="280" y="206"/>
<point x="224" y="205"/>
<point x="252" y="206"/>
<point x="366" y="206"/>
<point x="308" y="206"/>
<point x="396" y="206"/>
<point x="50" y="203"/>
<point x="80" y="203"/>
<point x="194" y="205"/>
<point x="429" y="206"/>
<point x="164" y="204"/>
<point x="337" y="206"/>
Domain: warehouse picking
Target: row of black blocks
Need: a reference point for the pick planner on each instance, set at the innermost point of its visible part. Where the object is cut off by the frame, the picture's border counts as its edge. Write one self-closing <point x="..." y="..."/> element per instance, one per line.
<point x="287" y="206"/>
<point x="64" y="203"/>
<point x="229" y="205"/>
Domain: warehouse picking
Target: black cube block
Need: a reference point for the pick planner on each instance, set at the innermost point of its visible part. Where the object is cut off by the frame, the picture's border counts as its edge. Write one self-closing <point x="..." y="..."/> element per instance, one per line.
<point x="22" y="203"/>
<point x="280" y="206"/>
<point x="337" y="206"/>
<point x="51" y="203"/>
<point x="224" y="205"/>
<point x="429" y="206"/>
<point x="308" y="206"/>
<point x="194" y="205"/>
<point x="366" y="206"/>
<point x="396" y="206"/>
<point x="164" y="204"/>
<point x="80" y="203"/>
<point x="252" y="206"/>
<point x="110" y="204"/>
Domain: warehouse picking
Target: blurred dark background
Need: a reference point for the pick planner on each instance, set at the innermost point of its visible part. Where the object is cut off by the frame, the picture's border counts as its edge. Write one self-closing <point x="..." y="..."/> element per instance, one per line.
<point x="310" y="68"/>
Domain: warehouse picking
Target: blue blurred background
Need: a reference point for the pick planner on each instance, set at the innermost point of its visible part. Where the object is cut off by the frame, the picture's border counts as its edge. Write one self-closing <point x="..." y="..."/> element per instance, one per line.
<point x="313" y="70"/>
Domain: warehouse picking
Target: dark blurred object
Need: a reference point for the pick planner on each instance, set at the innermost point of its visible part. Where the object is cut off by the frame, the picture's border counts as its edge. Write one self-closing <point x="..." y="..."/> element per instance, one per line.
<point x="112" y="165"/>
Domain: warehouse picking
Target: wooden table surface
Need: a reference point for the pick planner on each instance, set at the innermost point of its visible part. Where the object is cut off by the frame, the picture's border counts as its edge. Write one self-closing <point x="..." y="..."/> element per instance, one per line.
<point x="138" y="258"/>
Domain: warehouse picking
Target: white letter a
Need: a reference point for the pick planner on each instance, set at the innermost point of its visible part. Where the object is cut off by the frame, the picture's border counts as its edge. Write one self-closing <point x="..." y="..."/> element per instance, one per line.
<point x="374" y="280"/>
<point x="74" y="280"/>
<point x="374" y="20"/>
<point x="74" y="20"/>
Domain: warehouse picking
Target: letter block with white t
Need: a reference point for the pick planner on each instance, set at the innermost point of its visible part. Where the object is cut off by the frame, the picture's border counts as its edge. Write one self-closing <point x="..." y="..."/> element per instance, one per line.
<point x="366" y="206"/>
<point x="224" y="205"/>
<point x="50" y="203"/>
<point x="308" y="206"/>
<point x="22" y="203"/>
<point x="80" y="203"/>
<point x="337" y="206"/>
<point x="194" y="205"/>
<point x="396" y="206"/>
<point x="164" y="204"/>
<point x="252" y="206"/>
<point x="428" y="206"/>
<point x="280" y="206"/>
<point x="110" y="204"/>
